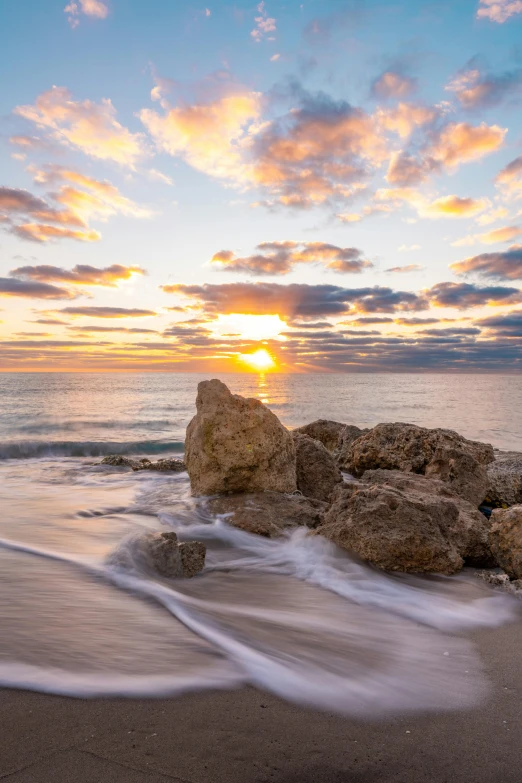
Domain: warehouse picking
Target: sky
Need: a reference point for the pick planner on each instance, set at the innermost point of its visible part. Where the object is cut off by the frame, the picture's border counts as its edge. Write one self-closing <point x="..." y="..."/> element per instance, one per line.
<point x="317" y="186"/>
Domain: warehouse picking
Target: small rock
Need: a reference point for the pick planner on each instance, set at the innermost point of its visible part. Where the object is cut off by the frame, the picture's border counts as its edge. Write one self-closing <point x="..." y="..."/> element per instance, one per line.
<point x="117" y="460"/>
<point x="505" y="539"/>
<point x="171" y="559"/>
<point x="316" y="470"/>
<point x="326" y="431"/>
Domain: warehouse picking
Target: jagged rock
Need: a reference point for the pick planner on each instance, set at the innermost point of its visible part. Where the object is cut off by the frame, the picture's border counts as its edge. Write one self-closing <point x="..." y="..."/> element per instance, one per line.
<point x="117" y="460"/>
<point x="348" y="436"/>
<point x="505" y="480"/>
<point x="328" y="432"/>
<point x="436" y="453"/>
<point x="470" y="531"/>
<point x="171" y="559"/>
<point x="266" y="513"/>
<point x="394" y="530"/>
<point x="316" y="470"/>
<point x="235" y="444"/>
<point x="505" y="539"/>
<point x="501" y="580"/>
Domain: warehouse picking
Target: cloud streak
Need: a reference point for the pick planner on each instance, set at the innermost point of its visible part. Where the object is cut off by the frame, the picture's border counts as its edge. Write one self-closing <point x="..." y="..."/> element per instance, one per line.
<point x="280" y="258"/>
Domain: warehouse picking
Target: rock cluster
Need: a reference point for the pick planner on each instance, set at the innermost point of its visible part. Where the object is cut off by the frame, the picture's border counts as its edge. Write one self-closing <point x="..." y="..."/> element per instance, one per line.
<point x="412" y="503"/>
<point x="163" y="465"/>
<point x="169" y="558"/>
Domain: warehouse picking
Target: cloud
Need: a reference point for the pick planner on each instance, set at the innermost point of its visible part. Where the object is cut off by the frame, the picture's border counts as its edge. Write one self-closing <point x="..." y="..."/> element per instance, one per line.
<point x="504" y="234"/>
<point x="280" y="258"/>
<point x="38" y="232"/>
<point x="33" y="290"/>
<point x="506" y="325"/>
<point x="208" y="136"/>
<point x="405" y="269"/>
<point x="505" y="265"/>
<point x="297" y="299"/>
<point x="81" y="274"/>
<point x="408" y="248"/>
<point x="94" y="8"/>
<point x="406" y="118"/>
<point x="88" y="126"/>
<point x="14" y="201"/>
<point x="405" y="170"/>
<point x="492" y="216"/>
<point x="455" y="207"/>
<point x="107" y="312"/>
<point x="460" y="142"/>
<point x="498" y="10"/>
<point x="510" y="178"/>
<point x="475" y="90"/>
<point x="264" y="24"/>
<point x="464" y="295"/>
<point x="393" y="85"/>
<point x="88" y="329"/>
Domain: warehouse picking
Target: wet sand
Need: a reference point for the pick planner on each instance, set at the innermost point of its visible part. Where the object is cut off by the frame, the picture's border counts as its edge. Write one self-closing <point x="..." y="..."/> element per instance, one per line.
<point x="247" y="736"/>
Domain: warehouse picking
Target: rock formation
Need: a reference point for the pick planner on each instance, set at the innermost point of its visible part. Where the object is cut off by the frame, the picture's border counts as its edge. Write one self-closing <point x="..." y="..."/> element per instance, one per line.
<point x="163" y="465"/>
<point x="324" y="430"/>
<point x="435" y="453"/>
<point x="316" y="470"/>
<point x="505" y="539"/>
<point x="164" y="554"/>
<point x="266" y="513"/>
<point x="235" y="444"/>
<point x="395" y="530"/>
<point x="505" y="480"/>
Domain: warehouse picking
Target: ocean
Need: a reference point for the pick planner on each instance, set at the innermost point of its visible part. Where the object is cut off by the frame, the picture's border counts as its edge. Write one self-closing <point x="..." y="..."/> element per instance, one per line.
<point x="295" y="616"/>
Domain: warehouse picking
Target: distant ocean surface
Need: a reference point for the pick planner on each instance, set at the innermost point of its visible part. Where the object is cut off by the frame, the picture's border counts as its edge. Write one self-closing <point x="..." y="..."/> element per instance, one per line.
<point x="80" y="616"/>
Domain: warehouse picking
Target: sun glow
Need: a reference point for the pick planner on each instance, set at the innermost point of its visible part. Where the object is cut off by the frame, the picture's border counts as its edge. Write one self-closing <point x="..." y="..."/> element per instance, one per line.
<point x="249" y="327"/>
<point x="259" y="360"/>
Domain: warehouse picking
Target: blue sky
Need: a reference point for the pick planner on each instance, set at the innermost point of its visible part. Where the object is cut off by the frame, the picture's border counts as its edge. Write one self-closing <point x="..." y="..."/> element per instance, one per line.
<point x="325" y="162"/>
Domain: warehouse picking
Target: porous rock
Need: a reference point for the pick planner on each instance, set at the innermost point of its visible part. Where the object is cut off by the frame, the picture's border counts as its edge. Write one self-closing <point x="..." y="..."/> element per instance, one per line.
<point x="316" y="470"/>
<point x="163" y="465"/>
<point x="504" y="480"/>
<point x="236" y="444"/>
<point x="266" y="513"/>
<point x="326" y="431"/>
<point x="393" y="529"/>
<point x="436" y="453"/>
<point x="505" y="539"/>
<point x="172" y="559"/>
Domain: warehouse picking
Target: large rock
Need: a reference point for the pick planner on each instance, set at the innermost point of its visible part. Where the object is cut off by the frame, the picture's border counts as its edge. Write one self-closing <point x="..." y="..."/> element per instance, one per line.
<point x="316" y="470"/>
<point x="395" y="530"/>
<point x="505" y="539"/>
<point x="505" y="480"/>
<point x="266" y="513"/>
<point x="469" y="532"/>
<point x="436" y="453"/>
<point x="235" y="444"/>
<point x="324" y="430"/>
<point x="164" y="554"/>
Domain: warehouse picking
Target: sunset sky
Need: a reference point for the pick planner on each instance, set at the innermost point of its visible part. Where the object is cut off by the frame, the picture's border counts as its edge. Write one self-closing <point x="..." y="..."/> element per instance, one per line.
<point x="335" y="184"/>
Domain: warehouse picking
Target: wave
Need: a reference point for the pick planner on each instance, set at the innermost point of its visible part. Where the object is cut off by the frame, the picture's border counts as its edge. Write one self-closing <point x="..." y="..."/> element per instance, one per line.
<point x="39" y="428"/>
<point x="32" y="449"/>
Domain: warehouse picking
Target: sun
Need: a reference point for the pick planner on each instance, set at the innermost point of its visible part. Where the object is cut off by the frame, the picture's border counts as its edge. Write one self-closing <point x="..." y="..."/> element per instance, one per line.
<point x="259" y="360"/>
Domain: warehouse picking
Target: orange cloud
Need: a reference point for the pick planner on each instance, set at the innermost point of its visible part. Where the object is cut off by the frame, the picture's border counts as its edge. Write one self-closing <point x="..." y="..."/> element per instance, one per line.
<point x="81" y="274"/>
<point x="393" y="85"/>
<point x="38" y="232"/>
<point x="280" y="258"/>
<point x="405" y="118"/>
<point x="455" y="207"/>
<point x="510" y="178"/>
<point x="460" y="142"/>
<point x="88" y="126"/>
<point x="504" y="234"/>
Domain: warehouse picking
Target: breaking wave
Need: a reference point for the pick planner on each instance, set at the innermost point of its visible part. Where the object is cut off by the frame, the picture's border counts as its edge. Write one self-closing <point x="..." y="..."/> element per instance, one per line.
<point x="31" y="449"/>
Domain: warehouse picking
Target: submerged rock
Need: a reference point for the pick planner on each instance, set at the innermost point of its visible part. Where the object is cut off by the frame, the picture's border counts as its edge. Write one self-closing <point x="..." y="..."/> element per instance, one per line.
<point x="267" y="513"/>
<point x="316" y="470"/>
<point x="236" y="444"/>
<point x="505" y="539"/>
<point x="393" y="529"/>
<point x="117" y="460"/>
<point x="326" y="431"/>
<point x="436" y="453"/>
<point x="469" y="532"/>
<point x="171" y="559"/>
<point x="505" y="480"/>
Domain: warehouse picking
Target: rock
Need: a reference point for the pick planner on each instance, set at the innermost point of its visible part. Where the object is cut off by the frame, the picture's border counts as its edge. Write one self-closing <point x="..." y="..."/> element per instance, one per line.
<point x="117" y="460"/>
<point x="505" y="539"/>
<point x="316" y="470"/>
<point x="394" y="530"/>
<point x="470" y="531"/>
<point x="348" y="436"/>
<point x="505" y="480"/>
<point x="171" y="559"/>
<point x="236" y="444"/>
<point x="501" y="580"/>
<point x="266" y="513"/>
<point x="328" y="432"/>
<point x="436" y="453"/>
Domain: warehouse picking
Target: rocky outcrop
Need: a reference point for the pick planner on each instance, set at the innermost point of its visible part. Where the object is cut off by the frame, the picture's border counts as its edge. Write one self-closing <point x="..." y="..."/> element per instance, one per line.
<point x="469" y="532"/>
<point x="235" y="444"/>
<point x="505" y="539"/>
<point x="435" y="453"/>
<point x="162" y="465"/>
<point x="316" y="470"/>
<point x="344" y="451"/>
<point x="266" y="513"/>
<point x="169" y="558"/>
<point x="504" y="480"/>
<point x="393" y="529"/>
<point x="326" y="431"/>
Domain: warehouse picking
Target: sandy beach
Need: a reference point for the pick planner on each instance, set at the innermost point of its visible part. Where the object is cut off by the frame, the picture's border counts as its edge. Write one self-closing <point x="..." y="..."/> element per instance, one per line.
<point x="250" y="736"/>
